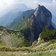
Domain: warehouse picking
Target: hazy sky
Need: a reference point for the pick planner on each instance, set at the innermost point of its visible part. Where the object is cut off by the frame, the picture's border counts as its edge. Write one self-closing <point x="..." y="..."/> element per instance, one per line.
<point x="30" y="3"/>
<point x="34" y="3"/>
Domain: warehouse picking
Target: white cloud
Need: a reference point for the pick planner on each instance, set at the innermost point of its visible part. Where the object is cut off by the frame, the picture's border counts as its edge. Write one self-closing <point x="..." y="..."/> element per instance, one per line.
<point x="29" y="3"/>
<point x="5" y="3"/>
<point x="34" y="3"/>
<point x="54" y="1"/>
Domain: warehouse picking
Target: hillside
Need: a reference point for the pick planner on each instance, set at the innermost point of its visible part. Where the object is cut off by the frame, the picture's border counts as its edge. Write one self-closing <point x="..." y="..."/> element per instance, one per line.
<point x="11" y="45"/>
<point x="22" y="20"/>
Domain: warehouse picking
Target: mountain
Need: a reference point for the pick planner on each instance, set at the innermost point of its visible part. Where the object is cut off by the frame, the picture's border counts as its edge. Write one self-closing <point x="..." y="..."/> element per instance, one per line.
<point x="27" y="28"/>
<point x="31" y="23"/>
<point x="11" y="13"/>
<point x="6" y="19"/>
<point x="21" y="21"/>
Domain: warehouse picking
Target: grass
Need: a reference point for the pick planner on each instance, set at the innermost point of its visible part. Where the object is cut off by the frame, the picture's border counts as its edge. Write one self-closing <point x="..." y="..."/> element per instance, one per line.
<point x="2" y="43"/>
<point x="47" y="49"/>
<point x="29" y="54"/>
<point x="45" y="46"/>
<point x="51" y="45"/>
<point x="6" y="54"/>
<point x="13" y="49"/>
<point x="42" y="54"/>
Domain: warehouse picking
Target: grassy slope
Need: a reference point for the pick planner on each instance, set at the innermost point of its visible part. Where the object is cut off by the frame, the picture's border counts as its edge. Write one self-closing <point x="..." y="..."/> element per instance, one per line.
<point x="12" y="41"/>
<point x="46" y="46"/>
<point x="25" y="54"/>
<point x="50" y="45"/>
<point x="22" y="21"/>
<point x="39" y="49"/>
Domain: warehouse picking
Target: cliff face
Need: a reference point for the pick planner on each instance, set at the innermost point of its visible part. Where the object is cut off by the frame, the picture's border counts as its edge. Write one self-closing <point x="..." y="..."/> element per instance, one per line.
<point x="41" y="18"/>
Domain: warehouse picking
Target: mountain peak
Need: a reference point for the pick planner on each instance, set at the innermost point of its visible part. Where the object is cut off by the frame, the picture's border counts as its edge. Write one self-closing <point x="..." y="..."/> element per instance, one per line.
<point x="42" y="9"/>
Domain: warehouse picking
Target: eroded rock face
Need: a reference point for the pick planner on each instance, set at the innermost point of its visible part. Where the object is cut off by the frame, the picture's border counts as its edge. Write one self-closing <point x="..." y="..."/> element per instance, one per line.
<point x="41" y="18"/>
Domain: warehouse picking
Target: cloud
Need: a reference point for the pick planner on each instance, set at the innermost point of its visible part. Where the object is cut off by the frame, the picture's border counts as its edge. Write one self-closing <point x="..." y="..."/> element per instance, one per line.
<point x="34" y="3"/>
<point x="5" y="4"/>
<point x="29" y="3"/>
<point x="52" y="4"/>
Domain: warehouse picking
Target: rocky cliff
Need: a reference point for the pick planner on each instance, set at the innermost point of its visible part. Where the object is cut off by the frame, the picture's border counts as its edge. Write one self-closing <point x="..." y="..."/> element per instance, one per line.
<point x="41" y="18"/>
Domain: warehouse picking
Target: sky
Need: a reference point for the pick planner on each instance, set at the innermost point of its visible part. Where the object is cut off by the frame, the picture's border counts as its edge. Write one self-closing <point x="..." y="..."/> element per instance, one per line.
<point x="30" y="3"/>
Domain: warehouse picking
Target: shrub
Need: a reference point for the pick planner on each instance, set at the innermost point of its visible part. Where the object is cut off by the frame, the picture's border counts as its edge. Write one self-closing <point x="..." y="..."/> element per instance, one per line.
<point x="48" y="34"/>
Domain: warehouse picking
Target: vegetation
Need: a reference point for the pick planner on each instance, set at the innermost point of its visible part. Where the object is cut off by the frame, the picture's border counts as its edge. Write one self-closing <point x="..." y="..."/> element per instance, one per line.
<point x="22" y="21"/>
<point x="6" y="54"/>
<point x="45" y="46"/>
<point x="28" y="54"/>
<point x="17" y="42"/>
<point x="13" y="38"/>
<point x="48" y="34"/>
<point x="41" y="54"/>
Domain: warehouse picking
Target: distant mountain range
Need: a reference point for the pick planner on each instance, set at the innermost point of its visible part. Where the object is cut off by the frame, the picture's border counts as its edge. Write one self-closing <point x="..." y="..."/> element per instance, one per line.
<point x="11" y="13"/>
<point x="20" y="21"/>
<point x="15" y="13"/>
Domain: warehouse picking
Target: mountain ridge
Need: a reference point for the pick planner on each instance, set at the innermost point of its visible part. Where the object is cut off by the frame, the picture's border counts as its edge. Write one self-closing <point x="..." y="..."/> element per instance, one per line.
<point x="33" y="25"/>
<point x="11" y="13"/>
